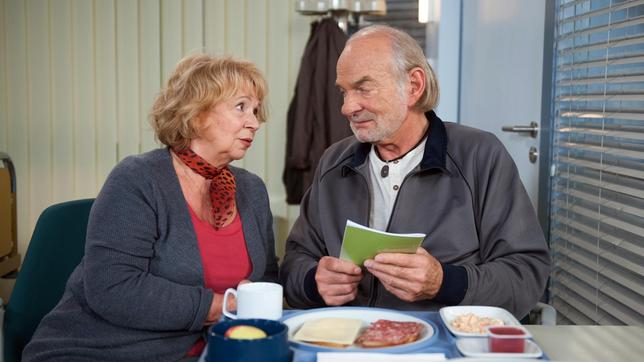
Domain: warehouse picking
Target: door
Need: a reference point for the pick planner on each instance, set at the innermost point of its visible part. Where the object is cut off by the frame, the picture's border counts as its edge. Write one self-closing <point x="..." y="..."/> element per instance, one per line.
<point x="501" y="75"/>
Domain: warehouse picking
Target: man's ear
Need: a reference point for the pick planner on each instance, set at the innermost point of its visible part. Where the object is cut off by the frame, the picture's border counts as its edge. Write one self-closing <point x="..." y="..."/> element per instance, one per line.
<point x="416" y="85"/>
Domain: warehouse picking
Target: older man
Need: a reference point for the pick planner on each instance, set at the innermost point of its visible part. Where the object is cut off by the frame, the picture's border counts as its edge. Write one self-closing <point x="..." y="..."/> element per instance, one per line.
<point x="407" y="171"/>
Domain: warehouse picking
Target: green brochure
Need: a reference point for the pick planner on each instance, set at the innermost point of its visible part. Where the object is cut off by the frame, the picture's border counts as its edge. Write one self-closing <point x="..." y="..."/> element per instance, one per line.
<point x="361" y="243"/>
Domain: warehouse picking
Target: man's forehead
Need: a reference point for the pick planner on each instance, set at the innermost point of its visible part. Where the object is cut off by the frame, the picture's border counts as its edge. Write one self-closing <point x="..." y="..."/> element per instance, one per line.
<point x="354" y="72"/>
<point x="362" y="50"/>
<point x="355" y="82"/>
<point x="367" y="49"/>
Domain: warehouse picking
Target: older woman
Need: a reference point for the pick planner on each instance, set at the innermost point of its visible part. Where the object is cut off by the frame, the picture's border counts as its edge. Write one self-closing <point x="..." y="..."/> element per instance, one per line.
<point x="172" y="228"/>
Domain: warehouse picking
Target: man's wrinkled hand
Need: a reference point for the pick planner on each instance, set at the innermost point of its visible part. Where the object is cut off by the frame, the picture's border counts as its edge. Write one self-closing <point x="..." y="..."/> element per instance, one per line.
<point x="410" y="277"/>
<point x="337" y="280"/>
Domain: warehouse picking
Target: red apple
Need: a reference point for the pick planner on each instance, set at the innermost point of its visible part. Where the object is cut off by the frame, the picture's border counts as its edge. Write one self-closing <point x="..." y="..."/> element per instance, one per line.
<point x="244" y="332"/>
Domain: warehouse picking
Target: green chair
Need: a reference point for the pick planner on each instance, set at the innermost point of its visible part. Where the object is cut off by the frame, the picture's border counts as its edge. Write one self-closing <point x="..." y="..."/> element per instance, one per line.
<point x="56" y="248"/>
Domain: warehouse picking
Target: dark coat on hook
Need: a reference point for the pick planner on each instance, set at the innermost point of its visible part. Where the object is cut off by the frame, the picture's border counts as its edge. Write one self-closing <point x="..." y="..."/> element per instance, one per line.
<point x="314" y="118"/>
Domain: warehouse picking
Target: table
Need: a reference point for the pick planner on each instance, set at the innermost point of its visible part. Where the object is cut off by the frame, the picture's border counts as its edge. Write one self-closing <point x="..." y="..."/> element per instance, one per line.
<point x="590" y="343"/>
<point x="559" y="343"/>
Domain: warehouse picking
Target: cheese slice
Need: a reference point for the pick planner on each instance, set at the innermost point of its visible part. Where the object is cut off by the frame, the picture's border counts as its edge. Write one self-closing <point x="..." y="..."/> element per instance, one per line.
<point x="333" y="331"/>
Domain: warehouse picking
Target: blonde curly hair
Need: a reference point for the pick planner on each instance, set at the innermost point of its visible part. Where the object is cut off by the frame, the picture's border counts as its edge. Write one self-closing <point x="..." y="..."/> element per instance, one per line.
<point x="199" y="82"/>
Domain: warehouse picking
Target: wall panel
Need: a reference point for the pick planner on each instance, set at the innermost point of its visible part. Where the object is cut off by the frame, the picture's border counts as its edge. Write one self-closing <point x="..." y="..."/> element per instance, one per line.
<point x="18" y="111"/>
<point x="171" y="36"/>
<point x="39" y="104"/>
<point x="279" y="98"/>
<point x="149" y="66"/>
<point x="84" y="89"/>
<point x="83" y="76"/>
<point x="4" y="122"/>
<point x="235" y="36"/>
<point x="127" y="70"/>
<point x="215" y="26"/>
<point x="106" y="104"/>
<point x="62" y="106"/>
<point x="236" y="18"/>
<point x="193" y="27"/>
<point x="255" y="51"/>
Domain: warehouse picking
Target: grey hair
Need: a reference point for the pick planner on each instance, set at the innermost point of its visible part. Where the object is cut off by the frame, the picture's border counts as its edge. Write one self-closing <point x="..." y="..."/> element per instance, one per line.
<point x="406" y="55"/>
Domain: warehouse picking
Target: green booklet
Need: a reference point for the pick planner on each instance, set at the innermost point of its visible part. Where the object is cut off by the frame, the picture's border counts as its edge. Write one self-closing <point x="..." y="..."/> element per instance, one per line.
<point x="361" y="243"/>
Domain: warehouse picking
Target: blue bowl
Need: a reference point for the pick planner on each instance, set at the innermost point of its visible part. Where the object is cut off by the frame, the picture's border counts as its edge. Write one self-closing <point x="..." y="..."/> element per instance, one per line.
<point x="273" y="348"/>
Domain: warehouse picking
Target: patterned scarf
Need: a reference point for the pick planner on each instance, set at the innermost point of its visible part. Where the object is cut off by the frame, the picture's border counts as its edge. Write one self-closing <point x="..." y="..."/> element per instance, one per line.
<point x="222" y="188"/>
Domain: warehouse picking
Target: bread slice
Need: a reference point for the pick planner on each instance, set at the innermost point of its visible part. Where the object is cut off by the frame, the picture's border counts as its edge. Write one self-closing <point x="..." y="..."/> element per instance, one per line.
<point x="329" y="332"/>
<point x="330" y="345"/>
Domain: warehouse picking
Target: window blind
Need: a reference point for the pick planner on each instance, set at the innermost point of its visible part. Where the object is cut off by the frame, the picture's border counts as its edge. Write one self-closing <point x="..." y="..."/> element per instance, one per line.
<point x="597" y="188"/>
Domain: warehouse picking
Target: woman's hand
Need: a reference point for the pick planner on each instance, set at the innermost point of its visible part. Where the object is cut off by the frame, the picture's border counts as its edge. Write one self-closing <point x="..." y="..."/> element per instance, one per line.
<point x="217" y="302"/>
<point x="215" y="308"/>
<point x="244" y="281"/>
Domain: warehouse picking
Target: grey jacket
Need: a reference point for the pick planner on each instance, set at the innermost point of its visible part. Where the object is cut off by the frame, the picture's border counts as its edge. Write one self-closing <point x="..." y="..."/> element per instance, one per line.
<point x="466" y="196"/>
<point x="138" y="293"/>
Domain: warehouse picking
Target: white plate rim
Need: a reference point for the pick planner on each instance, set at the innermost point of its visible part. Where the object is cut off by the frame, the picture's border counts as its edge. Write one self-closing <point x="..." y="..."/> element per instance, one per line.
<point x="385" y="314"/>
<point x="481" y="310"/>
<point x="466" y="353"/>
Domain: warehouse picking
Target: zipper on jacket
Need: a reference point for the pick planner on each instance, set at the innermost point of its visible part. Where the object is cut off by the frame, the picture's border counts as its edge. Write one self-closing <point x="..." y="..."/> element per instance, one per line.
<point x="393" y="209"/>
<point x="373" y="295"/>
<point x="374" y="282"/>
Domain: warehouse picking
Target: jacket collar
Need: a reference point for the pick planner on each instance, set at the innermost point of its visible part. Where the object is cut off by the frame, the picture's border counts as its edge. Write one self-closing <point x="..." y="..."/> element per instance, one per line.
<point x="435" y="147"/>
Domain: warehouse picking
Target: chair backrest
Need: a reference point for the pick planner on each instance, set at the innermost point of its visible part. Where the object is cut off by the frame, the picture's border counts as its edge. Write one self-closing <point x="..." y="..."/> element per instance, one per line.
<point x="56" y="247"/>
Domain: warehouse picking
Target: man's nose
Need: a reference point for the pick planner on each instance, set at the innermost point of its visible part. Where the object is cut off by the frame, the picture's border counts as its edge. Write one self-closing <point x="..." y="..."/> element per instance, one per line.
<point x="350" y="106"/>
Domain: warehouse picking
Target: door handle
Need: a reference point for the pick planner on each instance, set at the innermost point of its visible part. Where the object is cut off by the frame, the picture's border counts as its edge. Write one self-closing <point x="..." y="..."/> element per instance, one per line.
<point x="533" y="129"/>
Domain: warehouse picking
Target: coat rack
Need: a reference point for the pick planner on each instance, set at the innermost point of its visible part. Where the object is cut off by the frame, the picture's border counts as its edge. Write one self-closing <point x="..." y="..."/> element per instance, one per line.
<point x="342" y="10"/>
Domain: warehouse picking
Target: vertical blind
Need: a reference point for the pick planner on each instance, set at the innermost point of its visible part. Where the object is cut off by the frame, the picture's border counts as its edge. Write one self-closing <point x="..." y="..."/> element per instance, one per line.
<point x="597" y="188"/>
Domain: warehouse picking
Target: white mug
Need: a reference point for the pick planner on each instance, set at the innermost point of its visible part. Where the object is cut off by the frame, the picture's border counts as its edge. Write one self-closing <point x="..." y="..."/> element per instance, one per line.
<point x="255" y="300"/>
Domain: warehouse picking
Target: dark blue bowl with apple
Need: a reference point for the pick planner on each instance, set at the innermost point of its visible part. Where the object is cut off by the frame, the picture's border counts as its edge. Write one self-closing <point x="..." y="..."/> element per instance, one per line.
<point x="248" y="340"/>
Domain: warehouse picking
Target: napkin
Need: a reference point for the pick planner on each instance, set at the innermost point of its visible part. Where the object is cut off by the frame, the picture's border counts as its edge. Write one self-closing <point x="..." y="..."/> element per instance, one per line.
<point x="378" y="357"/>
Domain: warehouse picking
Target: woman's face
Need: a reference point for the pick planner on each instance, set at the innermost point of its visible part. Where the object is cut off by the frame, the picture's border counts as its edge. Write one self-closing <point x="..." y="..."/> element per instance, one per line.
<point x="227" y="129"/>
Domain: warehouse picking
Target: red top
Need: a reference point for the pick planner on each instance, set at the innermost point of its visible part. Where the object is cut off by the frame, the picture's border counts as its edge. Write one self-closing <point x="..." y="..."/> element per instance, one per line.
<point x="224" y="257"/>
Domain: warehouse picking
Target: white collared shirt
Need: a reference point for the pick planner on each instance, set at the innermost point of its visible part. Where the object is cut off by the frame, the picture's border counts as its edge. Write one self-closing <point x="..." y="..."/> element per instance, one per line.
<point x="385" y="189"/>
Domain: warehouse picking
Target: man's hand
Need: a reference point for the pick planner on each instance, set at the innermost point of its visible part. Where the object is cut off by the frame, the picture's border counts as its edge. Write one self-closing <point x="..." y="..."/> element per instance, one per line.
<point x="410" y="277"/>
<point x="337" y="280"/>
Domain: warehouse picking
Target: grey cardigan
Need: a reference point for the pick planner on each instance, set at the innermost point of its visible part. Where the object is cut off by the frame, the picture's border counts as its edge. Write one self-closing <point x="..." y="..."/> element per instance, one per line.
<point x="138" y="294"/>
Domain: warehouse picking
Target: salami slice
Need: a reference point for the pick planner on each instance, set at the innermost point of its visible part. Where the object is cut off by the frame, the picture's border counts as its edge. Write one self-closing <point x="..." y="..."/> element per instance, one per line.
<point x="384" y="333"/>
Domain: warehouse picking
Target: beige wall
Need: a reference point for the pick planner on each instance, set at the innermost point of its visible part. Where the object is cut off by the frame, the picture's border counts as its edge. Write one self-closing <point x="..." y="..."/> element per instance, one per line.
<point x="77" y="78"/>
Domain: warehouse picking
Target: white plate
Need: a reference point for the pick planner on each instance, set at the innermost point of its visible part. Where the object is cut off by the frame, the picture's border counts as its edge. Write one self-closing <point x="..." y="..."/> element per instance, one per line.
<point x="367" y="315"/>
<point x="448" y="314"/>
<point x="478" y="347"/>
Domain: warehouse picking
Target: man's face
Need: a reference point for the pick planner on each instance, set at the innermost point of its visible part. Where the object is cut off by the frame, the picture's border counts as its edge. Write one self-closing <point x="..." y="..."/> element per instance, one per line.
<point x="373" y="101"/>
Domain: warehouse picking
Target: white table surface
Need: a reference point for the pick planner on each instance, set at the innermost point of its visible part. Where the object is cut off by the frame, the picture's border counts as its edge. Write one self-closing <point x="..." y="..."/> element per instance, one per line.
<point x="590" y="343"/>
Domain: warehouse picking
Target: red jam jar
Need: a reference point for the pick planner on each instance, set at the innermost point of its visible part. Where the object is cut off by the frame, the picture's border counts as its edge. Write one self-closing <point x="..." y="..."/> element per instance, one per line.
<point x="506" y="339"/>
